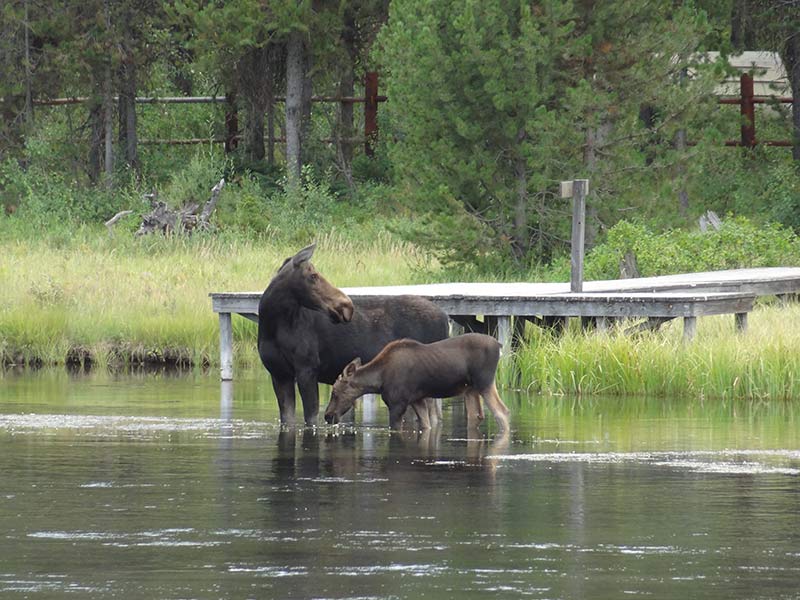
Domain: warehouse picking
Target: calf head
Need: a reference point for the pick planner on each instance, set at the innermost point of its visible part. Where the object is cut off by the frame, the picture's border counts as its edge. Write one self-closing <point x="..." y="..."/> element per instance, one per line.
<point x="343" y="393"/>
<point x="311" y="290"/>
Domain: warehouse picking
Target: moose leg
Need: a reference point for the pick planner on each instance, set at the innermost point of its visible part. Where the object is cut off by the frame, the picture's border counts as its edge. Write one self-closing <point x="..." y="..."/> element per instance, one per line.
<point x="396" y="412"/>
<point x="472" y="405"/>
<point x="309" y="392"/>
<point x="284" y="392"/>
<point x="434" y="406"/>
<point x="421" y="408"/>
<point x="497" y="406"/>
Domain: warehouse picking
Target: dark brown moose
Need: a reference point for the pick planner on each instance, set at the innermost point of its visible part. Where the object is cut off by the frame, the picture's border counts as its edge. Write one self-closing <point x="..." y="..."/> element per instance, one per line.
<point x="308" y="330"/>
<point x="406" y="372"/>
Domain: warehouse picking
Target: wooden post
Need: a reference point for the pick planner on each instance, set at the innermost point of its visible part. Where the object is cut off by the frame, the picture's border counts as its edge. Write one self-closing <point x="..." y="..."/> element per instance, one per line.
<point x="225" y="347"/>
<point x="748" y="111"/>
<point x="741" y="322"/>
<point x="689" y="328"/>
<point x="500" y="327"/>
<point x="504" y="334"/>
<point x="578" y="190"/>
<point x="370" y="112"/>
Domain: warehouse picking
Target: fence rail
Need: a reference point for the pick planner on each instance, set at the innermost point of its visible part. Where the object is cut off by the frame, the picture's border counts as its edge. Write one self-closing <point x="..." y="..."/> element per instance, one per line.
<point x="747" y="101"/>
<point x="370" y="99"/>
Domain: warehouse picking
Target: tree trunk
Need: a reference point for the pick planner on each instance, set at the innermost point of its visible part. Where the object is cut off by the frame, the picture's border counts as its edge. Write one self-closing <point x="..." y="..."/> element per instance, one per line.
<point x="28" y="84"/>
<point x="295" y="76"/>
<point x="308" y="91"/>
<point x="108" y="108"/>
<point x="128" y="139"/>
<point x="595" y="139"/>
<point x="743" y="34"/>
<point x="96" y="127"/>
<point x="347" y="89"/>
<point x="252" y="70"/>
<point x="792" y="61"/>
<point x="520" y="242"/>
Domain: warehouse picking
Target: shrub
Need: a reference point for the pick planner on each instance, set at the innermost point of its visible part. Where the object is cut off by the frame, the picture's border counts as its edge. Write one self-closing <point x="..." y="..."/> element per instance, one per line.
<point x="739" y="243"/>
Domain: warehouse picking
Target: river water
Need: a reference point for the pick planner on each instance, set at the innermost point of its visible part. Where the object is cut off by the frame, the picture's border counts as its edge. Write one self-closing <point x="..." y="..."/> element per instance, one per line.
<point x="175" y="486"/>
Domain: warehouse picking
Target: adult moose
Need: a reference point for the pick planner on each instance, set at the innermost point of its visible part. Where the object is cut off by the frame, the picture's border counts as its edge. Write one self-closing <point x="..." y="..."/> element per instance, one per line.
<point x="308" y="331"/>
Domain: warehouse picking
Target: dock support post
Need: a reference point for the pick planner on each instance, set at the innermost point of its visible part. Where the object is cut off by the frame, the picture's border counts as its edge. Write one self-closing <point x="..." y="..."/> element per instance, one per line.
<point x="504" y="333"/>
<point x="741" y="322"/>
<point x="225" y="347"/>
<point x="689" y="328"/>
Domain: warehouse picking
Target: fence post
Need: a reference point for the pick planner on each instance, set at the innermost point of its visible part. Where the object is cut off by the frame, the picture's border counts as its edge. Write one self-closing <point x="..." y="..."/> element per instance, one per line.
<point x="370" y="112"/>
<point x="580" y="188"/>
<point x="748" y="111"/>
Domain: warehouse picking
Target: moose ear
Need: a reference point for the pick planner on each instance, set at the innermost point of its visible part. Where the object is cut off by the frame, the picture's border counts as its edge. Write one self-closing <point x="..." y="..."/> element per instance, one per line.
<point x="304" y="255"/>
<point x="351" y="368"/>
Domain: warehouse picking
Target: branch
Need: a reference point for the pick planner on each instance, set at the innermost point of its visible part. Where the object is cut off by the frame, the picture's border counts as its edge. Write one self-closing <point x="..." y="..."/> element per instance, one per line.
<point x="212" y="202"/>
<point x="113" y="220"/>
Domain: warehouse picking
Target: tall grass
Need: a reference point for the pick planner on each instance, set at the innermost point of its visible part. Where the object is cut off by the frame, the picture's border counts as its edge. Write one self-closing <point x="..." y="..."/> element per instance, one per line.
<point x="760" y="364"/>
<point x="120" y="299"/>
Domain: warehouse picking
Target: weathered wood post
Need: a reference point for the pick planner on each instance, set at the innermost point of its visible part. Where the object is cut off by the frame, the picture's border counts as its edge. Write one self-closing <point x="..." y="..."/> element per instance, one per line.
<point x="577" y="189"/>
<point x="748" y="111"/>
<point x="225" y="347"/>
<point x="370" y="112"/>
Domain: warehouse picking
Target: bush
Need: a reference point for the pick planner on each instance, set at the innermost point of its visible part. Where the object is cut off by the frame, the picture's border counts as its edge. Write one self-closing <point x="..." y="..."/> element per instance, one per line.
<point x="740" y="243"/>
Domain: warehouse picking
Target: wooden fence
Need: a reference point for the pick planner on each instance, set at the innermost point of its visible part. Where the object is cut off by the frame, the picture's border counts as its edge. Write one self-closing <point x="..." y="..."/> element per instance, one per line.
<point x="371" y="99"/>
<point x="747" y="101"/>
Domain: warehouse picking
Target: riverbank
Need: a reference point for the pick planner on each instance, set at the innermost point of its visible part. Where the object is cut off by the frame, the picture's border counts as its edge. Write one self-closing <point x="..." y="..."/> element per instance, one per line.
<point x="125" y="301"/>
<point x="100" y="301"/>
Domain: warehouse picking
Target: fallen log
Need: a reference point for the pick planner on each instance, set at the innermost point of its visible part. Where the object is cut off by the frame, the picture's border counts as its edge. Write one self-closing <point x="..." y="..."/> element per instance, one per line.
<point x="186" y="219"/>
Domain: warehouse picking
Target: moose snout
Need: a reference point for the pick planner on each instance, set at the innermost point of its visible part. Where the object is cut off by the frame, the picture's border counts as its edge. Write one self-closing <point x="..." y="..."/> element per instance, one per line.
<point x="330" y="418"/>
<point x="344" y="310"/>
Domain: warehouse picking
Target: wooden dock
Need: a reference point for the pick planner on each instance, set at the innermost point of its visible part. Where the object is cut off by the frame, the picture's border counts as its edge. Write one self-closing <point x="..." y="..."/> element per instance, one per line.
<point x="686" y="296"/>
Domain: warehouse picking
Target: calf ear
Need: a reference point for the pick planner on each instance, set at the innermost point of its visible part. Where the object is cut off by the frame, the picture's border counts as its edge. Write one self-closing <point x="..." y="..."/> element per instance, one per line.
<point x="304" y="255"/>
<point x="351" y="368"/>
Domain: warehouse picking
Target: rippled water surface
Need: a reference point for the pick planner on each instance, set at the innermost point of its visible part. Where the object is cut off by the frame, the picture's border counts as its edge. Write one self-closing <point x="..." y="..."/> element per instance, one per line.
<point x="159" y="486"/>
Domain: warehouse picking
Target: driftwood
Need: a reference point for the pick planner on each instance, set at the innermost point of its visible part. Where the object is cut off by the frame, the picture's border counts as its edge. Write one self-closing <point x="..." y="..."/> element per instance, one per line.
<point x="113" y="220"/>
<point x="710" y="219"/>
<point x="186" y="219"/>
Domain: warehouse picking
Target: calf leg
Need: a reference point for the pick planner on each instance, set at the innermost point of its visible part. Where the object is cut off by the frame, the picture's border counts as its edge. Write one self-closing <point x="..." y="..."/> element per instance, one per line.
<point x="497" y="406"/>
<point x="434" y="410"/>
<point x="284" y="392"/>
<point x="474" y="410"/>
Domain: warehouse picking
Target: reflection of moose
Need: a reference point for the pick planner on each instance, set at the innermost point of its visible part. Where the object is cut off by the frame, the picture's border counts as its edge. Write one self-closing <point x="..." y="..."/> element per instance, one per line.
<point x="406" y="372"/>
<point x="308" y="330"/>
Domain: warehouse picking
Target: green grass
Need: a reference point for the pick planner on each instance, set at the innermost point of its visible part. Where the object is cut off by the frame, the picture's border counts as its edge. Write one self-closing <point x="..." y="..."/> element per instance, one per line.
<point x="122" y="300"/>
<point x="718" y="363"/>
<point x="129" y="300"/>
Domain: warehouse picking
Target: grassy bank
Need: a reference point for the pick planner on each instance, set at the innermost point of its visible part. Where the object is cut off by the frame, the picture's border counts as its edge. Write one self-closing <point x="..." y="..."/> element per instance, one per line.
<point x="125" y="301"/>
<point x="718" y="363"/>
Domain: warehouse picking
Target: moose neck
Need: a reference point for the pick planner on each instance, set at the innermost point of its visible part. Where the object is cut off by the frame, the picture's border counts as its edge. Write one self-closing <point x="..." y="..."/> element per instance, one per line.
<point x="369" y="379"/>
<point x="278" y="304"/>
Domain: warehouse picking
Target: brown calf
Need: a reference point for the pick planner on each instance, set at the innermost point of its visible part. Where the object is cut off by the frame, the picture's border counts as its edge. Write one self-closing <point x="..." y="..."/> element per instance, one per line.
<point x="407" y="372"/>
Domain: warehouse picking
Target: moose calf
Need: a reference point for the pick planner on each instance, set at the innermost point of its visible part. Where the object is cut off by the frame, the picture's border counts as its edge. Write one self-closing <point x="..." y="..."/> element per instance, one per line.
<point x="406" y="372"/>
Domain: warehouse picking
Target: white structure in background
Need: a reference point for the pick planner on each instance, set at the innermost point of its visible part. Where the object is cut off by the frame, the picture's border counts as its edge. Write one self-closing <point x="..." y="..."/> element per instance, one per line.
<point x="769" y="74"/>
